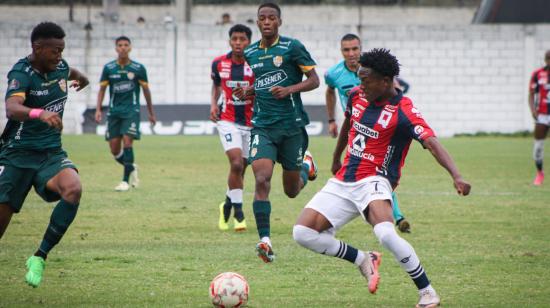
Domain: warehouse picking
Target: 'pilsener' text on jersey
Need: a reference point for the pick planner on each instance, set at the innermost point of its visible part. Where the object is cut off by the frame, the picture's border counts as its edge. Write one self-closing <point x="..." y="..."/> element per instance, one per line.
<point x="228" y="75"/>
<point x="40" y="90"/>
<point x="380" y="136"/>
<point x="341" y="78"/>
<point x="124" y="87"/>
<point x="540" y="84"/>
<point x="282" y="64"/>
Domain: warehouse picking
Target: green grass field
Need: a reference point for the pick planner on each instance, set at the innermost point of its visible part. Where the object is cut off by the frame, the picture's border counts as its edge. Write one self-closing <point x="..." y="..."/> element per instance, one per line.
<point x="159" y="245"/>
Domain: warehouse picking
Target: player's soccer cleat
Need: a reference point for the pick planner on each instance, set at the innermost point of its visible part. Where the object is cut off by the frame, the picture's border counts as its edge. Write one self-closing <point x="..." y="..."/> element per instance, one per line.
<point x="122" y="186"/>
<point x="239" y="226"/>
<point x="539" y="178"/>
<point x="404" y="226"/>
<point x="35" y="268"/>
<point x="369" y="269"/>
<point x="222" y="224"/>
<point x="308" y="159"/>
<point x="265" y="252"/>
<point x="134" y="179"/>
<point x="428" y="299"/>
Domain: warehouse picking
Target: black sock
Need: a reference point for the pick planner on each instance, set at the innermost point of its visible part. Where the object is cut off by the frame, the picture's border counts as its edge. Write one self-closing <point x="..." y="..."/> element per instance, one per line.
<point x="238" y="214"/>
<point x="40" y="253"/>
<point x="128" y="159"/>
<point x="538" y="163"/>
<point x="62" y="216"/>
<point x="227" y="208"/>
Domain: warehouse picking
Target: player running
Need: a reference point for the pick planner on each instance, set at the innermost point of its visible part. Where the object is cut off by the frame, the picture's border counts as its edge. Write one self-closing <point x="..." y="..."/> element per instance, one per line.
<point x="31" y="153"/>
<point x="381" y="124"/>
<point x="278" y="135"/>
<point x="539" y="104"/>
<point x="343" y="77"/>
<point x="124" y="78"/>
<point x="233" y="120"/>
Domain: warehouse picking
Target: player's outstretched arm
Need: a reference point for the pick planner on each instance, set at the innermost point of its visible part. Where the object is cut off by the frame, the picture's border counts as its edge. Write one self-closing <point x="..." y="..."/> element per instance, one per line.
<point x="100" y="96"/>
<point x="330" y="99"/>
<point x="445" y="160"/>
<point x="80" y="80"/>
<point x="340" y="146"/>
<point x="15" y="110"/>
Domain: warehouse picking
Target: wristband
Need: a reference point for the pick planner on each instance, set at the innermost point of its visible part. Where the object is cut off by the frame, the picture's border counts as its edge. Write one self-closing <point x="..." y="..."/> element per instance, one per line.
<point x="331" y="120"/>
<point x="35" y="113"/>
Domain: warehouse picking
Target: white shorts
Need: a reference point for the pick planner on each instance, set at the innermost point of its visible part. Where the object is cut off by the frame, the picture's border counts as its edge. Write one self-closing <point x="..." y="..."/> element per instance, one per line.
<point x="543" y="119"/>
<point x="234" y="136"/>
<point x="340" y="202"/>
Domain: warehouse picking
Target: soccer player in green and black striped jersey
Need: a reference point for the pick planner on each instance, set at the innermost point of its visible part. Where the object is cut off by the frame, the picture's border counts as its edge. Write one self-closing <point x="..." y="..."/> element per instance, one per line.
<point x="31" y="153"/>
<point x="124" y="78"/>
<point x="279" y="64"/>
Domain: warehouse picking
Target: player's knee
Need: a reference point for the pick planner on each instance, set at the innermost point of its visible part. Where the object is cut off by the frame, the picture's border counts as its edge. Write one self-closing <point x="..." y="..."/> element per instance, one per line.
<point x="262" y="182"/>
<point x="72" y="192"/>
<point x="385" y="232"/>
<point x="237" y="166"/>
<point x="305" y="236"/>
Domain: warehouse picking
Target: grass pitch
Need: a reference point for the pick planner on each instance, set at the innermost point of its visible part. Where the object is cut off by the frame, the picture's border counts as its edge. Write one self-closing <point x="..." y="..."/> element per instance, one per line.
<point x="159" y="245"/>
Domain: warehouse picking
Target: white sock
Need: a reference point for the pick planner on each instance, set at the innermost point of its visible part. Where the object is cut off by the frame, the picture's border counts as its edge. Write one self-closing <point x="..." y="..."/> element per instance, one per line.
<point x="429" y="287"/>
<point x="266" y="240"/>
<point x="325" y="243"/>
<point x="538" y="150"/>
<point x="403" y="252"/>
<point x="235" y="195"/>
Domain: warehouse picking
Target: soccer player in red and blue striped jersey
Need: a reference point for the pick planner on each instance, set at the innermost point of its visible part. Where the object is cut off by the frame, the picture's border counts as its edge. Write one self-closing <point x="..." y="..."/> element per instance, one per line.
<point x="539" y="103"/>
<point x="233" y="116"/>
<point x="380" y="125"/>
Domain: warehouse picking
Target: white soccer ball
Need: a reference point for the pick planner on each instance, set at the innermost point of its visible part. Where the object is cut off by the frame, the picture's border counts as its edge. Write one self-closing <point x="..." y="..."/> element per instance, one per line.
<point x="229" y="290"/>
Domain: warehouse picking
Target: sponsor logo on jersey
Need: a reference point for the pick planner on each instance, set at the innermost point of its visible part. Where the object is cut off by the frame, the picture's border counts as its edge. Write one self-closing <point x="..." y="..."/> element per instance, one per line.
<point x="248" y="71"/>
<point x="361" y="154"/>
<point x="49" y="83"/>
<point x="123" y="87"/>
<point x="63" y="85"/>
<point x="131" y="75"/>
<point x="14" y="84"/>
<point x="418" y="129"/>
<point x="237" y="83"/>
<point x="226" y="64"/>
<point x="278" y="61"/>
<point x="224" y="75"/>
<point x="57" y="105"/>
<point x="114" y="76"/>
<point x="265" y="57"/>
<point x="270" y="79"/>
<point x="253" y="66"/>
<point x="416" y="112"/>
<point x="39" y="92"/>
<point x="365" y="130"/>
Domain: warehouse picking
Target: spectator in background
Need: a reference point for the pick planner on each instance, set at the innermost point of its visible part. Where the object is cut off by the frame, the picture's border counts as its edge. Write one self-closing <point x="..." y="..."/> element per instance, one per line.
<point x="226" y="20"/>
<point x="140" y="20"/>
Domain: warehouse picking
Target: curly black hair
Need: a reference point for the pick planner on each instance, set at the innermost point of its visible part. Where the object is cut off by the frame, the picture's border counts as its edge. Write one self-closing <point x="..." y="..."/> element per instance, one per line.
<point x="381" y="61"/>
<point x="47" y="30"/>
<point x="241" y="29"/>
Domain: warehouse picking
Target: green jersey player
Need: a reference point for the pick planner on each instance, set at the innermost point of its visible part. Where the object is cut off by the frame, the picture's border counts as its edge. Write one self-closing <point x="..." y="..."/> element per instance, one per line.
<point x="31" y="153"/>
<point x="124" y="78"/>
<point x="278" y="135"/>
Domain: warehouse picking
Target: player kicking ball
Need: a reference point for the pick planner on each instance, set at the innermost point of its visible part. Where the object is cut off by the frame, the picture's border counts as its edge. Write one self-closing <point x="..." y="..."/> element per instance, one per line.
<point x="31" y="153"/>
<point x="380" y="126"/>
<point x="124" y="78"/>
<point x="233" y="120"/>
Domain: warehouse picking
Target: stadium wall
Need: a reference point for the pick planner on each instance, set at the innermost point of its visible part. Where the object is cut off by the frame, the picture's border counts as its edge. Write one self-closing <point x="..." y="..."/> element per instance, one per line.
<point x="464" y="78"/>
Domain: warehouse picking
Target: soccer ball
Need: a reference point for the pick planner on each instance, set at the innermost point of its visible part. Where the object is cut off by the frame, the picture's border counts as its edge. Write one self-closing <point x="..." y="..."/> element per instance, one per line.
<point x="229" y="290"/>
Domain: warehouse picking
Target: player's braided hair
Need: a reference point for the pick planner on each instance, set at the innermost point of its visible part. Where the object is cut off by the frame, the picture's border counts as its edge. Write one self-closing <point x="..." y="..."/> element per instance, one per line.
<point x="47" y="30"/>
<point x="381" y="61"/>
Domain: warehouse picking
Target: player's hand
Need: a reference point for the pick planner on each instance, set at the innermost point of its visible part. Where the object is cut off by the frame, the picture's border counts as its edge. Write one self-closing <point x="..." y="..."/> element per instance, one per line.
<point x="98" y="116"/>
<point x="280" y="92"/>
<point x="52" y="119"/>
<point x="333" y="129"/>
<point x="462" y="187"/>
<point x="239" y="92"/>
<point x="534" y="114"/>
<point x="80" y="83"/>
<point x="336" y="165"/>
<point x="152" y="120"/>
<point x="214" y="111"/>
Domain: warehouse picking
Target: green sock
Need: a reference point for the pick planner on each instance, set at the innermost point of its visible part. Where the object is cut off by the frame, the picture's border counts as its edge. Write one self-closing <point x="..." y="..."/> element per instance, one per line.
<point x="397" y="215"/>
<point x="62" y="216"/>
<point x="262" y="210"/>
<point x="304" y="173"/>
<point x="128" y="159"/>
